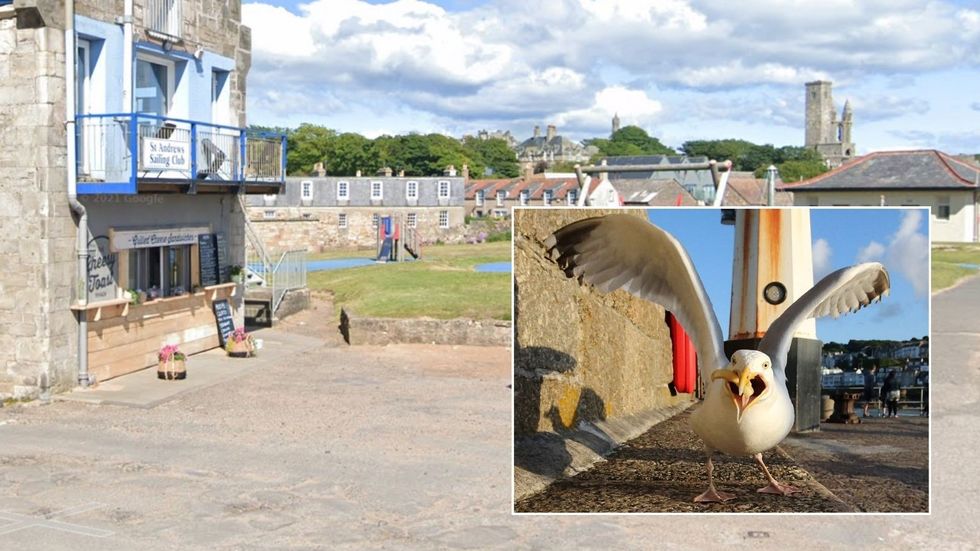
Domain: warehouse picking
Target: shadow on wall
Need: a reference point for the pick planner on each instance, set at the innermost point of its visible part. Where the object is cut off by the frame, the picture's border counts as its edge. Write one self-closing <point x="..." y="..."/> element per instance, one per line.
<point x="544" y="452"/>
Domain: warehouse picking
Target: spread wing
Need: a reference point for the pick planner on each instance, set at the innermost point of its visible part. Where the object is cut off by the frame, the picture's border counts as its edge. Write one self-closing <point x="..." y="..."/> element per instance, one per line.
<point x="846" y="290"/>
<point x="620" y="251"/>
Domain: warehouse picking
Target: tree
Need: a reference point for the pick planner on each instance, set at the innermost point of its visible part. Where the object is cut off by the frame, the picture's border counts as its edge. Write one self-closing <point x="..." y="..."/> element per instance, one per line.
<point x="348" y="153"/>
<point x="492" y="153"/>
<point x="794" y="171"/>
<point x="307" y="145"/>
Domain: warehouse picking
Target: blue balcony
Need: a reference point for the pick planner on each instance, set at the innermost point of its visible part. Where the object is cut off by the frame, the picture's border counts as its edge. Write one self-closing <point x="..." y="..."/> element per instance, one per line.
<point x="129" y="153"/>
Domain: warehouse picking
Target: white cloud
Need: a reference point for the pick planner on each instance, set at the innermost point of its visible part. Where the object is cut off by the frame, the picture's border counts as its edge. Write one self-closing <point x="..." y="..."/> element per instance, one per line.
<point x="639" y="109"/>
<point x="908" y="251"/>
<point x="873" y="251"/>
<point x="821" y="258"/>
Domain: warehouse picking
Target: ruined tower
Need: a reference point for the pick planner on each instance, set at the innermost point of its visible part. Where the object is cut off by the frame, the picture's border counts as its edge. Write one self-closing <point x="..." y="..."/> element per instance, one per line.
<point x="824" y="133"/>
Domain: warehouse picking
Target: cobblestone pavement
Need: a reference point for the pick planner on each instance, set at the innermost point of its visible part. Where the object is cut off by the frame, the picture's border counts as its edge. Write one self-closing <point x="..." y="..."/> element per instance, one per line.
<point x="402" y="448"/>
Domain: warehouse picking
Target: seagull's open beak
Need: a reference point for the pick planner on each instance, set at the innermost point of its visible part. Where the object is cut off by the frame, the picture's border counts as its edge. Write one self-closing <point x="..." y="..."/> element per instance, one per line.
<point x="744" y="384"/>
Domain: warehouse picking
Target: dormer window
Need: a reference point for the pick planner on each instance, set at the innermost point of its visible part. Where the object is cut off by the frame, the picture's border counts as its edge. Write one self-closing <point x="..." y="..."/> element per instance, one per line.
<point x="412" y="189"/>
<point x="525" y="195"/>
<point x="572" y="197"/>
<point x="548" y="195"/>
<point x="377" y="190"/>
<point x="479" y="198"/>
<point x="306" y="190"/>
<point x="343" y="190"/>
<point x="501" y="195"/>
<point x="443" y="189"/>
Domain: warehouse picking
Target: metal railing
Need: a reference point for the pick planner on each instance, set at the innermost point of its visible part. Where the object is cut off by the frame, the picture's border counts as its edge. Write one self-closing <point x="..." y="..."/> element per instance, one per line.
<point x="913" y="397"/>
<point x="164" y="17"/>
<point x="115" y="150"/>
<point x="288" y="274"/>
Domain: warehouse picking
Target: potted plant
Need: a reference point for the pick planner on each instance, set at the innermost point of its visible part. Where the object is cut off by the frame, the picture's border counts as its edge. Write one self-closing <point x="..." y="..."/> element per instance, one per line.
<point x="171" y="363"/>
<point x="240" y="344"/>
<point x="237" y="274"/>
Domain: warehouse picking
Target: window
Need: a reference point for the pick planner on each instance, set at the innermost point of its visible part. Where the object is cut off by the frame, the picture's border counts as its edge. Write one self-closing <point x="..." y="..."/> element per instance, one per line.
<point x="220" y="103"/>
<point x="548" y="194"/>
<point x="413" y="220"/>
<point x="443" y="189"/>
<point x="375" y="219"/>
<point x="342" y="220"/>
<point x="306" y="190"/>
<point x="163" y="17"/>
<point x="154" y="86"/>
<point x="161" y="271"/>
<point x="269" y="214"/>
<point x="83" y="73"/>
<point x="377" y="190"/>
<point x="500" y="198"/>
<point x="942" y="209"/>
<point x="412" y="189"/>
<point x="343" y="191"/>
<point x="443" y="218"/>
<point x="479" y="198"/>
<point x="525" y="194"/>
<point x="572" y="197"/>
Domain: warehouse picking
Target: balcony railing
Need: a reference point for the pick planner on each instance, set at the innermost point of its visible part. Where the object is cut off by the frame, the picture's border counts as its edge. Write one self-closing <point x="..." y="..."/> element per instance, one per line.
<point x="118" y="151"/>
<point x="164" y="17"/>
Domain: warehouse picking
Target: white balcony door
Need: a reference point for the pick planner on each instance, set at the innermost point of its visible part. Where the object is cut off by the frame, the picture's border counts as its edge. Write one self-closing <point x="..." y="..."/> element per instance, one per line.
<point x="83" y="75"/>
<point x="154" y="86"/>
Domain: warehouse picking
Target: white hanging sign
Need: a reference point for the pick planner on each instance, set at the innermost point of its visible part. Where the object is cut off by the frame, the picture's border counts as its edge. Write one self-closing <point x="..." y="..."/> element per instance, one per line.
<point x="162" y="154"/>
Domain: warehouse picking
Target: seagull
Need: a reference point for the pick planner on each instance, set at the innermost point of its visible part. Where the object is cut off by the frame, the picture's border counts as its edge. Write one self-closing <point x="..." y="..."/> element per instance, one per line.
<point x="747" y="408"/>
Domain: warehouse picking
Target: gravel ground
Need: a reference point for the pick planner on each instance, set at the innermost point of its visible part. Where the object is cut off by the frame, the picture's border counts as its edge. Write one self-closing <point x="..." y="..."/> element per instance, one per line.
<point x="662" y="471"/>
<point x="879" y="465"/>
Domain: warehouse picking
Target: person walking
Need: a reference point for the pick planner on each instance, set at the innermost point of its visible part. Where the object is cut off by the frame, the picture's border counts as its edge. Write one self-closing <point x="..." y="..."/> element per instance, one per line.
<point x="869" y="387"/>
<point x="890" y="393"/>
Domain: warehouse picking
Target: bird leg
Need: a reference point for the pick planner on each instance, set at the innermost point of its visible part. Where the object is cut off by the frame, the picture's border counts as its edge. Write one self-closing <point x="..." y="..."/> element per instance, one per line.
<point x="711" y="495"/>
<point x="773" y="487"/>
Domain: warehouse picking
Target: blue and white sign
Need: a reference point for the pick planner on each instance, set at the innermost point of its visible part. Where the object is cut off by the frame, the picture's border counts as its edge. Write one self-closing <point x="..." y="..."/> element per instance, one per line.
<point x="163" y="154"/>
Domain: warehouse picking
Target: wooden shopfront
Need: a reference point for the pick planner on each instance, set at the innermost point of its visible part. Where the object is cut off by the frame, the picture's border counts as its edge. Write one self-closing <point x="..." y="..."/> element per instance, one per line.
<point x="149" y="287"/>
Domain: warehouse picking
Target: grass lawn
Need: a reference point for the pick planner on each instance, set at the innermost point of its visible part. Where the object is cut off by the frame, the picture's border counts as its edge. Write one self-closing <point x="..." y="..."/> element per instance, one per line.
<point x="946" y="260"/>
<point x="441" y="285"/>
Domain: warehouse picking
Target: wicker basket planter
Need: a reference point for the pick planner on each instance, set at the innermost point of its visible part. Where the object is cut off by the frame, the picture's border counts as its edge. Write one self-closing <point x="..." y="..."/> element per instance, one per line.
<point x="172" y="370"/>
<point x="171" y="363"/>
<point x="242" y="349"/>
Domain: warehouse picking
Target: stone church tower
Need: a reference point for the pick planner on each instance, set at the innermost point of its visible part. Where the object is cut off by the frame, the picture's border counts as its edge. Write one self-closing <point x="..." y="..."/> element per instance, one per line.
<point x="824" y="133"/>
<point x="615" y="123"/>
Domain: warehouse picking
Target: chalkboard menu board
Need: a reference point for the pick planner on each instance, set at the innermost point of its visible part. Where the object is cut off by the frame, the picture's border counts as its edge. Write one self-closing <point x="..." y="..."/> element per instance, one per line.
<point x="226" y="324"/>
<point x="222" y="248"/>
<point x="208" y="252"/>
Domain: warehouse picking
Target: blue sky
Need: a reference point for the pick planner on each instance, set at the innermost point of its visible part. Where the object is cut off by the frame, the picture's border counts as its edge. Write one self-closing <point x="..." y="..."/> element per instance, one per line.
<point x="681" y="69"/>
<point x="850" y="236"/>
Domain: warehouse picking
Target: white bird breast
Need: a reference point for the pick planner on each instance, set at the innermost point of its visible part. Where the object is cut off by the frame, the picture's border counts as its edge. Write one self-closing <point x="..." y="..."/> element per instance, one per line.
<point x="763" y="425"/>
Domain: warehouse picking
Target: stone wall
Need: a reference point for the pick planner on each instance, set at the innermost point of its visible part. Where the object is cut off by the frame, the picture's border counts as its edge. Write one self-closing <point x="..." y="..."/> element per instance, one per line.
<point x="382" y="331"/>
<point x="317" y="229"/>
<point x="37" y="329"/>
<point x="588" y="367"/>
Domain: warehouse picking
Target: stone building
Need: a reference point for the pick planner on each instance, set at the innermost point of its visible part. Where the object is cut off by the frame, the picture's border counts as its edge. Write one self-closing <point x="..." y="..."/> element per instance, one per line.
<point x="157" y="103"/>
<point x="497" y="198"/>
<point x="327" y="212"/>
<point x="824" y="133"/>
<point x="551" y="148"/>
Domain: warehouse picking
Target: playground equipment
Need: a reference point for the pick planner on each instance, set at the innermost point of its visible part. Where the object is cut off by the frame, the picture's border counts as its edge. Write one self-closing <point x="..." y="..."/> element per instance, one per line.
<point x="394" y="240"/>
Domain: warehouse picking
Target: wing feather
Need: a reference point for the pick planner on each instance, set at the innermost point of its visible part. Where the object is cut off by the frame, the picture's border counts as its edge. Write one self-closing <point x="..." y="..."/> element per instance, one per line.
<point x="844" y="291"/>
<point x="621" y="251"/>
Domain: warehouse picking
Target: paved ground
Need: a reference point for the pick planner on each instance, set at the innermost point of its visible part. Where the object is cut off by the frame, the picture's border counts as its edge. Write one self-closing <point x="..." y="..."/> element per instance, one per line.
<point x="401" y="447"/>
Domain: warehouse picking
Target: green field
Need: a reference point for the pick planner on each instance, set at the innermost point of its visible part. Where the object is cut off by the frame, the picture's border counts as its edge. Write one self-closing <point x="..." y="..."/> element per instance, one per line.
<point x="442" y="285"/>
<point x="946" y="260"/>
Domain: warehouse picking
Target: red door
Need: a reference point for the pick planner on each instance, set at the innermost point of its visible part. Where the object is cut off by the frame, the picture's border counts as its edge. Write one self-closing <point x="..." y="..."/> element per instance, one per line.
<point x="685" y="357"/>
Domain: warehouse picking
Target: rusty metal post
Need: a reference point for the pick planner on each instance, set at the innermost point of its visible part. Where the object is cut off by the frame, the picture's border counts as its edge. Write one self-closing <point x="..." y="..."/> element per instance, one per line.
<point x="772" y="267"/>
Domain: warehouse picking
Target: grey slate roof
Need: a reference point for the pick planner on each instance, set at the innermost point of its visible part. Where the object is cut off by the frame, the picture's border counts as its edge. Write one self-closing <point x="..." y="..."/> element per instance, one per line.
<point x="659" y="193"/>
<point x="393" y="192"/>
<point x="922" y="169"/>
<point x="684" y="177"/>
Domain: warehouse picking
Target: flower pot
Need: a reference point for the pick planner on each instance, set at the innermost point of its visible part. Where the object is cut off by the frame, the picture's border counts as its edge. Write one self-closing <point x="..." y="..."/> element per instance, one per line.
<point x="242" y="349"/>
<point x="171" y="370"/>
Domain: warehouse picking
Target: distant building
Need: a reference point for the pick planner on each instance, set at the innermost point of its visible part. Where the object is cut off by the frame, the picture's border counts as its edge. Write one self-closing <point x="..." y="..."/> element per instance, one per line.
<point x="925" y="177"/>
<point x="551" y="148"/>
<point x="497" y="134"/>
<point x="824" y="133"/>
<point x="319" y="213"/>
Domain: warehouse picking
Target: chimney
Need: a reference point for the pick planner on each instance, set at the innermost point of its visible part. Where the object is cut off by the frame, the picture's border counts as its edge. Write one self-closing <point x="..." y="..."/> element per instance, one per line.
<point x="528" y="170"/>
<point x="603" y="175"/>
<point x="537" y="131"/>
<point x="551" y="132"/>
<point x="466" y="173"/>
<point x="386" y="171"/>
<point x="357" y="174"/>
<point x="401" y="173"/>
<point x="319" y="170"/>
<point x="450" y="171"/>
